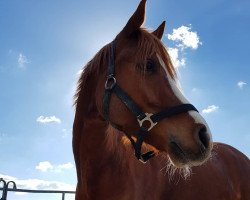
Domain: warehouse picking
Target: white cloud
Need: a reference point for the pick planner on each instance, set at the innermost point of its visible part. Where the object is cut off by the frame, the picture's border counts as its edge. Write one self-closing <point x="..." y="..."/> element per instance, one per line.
<point x="210" y="109"/>
<point x="174" y="54"/>
<point x="46" y="166"/>
<point x="241" y="84"/>
<point x="45" y="120"/>
<point x="185" y="37"/>
<point x="38" y="184"/>
<point x="65" y="166"/>
<point x="22" y="61"/>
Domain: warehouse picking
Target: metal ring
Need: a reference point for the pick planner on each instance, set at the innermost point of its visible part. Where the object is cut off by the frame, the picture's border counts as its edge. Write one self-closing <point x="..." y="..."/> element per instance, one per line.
<point x="110" y="82"/>
<point x="142" y="160"/>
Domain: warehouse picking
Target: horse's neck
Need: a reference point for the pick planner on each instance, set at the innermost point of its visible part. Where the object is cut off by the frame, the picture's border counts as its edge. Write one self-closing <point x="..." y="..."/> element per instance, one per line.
<point x="97" y="164"/>
<point x="95" y="161"/>
<point x="93" y="144"/>
<point x="89" y="134"/>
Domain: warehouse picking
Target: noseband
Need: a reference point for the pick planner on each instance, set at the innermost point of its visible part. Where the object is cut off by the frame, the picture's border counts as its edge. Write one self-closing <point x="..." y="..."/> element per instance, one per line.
<point x="144" y="119"/>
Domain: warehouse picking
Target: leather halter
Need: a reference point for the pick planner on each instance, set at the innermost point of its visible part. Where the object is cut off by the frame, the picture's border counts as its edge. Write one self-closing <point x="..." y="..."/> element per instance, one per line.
<point x="142" y="117"/>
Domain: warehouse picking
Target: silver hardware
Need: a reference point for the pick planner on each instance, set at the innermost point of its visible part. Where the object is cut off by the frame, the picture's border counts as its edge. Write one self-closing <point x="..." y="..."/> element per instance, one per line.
<point x="110" y="82"/>
<point x="145" y="119"/>
<point x="142" y="161"/>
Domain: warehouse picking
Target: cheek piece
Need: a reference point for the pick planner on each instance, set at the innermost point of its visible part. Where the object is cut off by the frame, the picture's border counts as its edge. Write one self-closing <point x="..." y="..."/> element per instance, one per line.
<point x="146" y="121"/>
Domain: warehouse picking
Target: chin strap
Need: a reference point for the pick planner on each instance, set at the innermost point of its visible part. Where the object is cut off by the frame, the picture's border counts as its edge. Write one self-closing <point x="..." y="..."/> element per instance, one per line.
<point x="143" y="157"/>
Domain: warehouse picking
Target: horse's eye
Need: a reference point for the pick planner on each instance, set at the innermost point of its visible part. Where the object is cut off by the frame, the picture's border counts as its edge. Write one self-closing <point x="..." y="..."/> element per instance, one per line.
<point x="150" y="66"/>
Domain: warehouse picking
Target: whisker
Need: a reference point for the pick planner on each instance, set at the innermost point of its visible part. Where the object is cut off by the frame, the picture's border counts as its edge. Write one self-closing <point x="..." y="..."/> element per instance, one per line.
<point x="175" y="173"/>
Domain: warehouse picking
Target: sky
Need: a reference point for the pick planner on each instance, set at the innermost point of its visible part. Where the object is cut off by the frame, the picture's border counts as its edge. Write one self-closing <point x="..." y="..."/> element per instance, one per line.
<point x="44" y="45"/>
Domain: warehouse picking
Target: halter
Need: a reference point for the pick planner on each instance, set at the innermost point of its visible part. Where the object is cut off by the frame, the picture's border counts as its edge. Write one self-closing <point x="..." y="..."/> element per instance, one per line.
<point x="145" y="120"/>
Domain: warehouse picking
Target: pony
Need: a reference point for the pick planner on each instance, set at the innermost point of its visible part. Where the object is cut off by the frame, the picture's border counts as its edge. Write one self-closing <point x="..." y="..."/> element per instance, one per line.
<point x="136" y="137"/>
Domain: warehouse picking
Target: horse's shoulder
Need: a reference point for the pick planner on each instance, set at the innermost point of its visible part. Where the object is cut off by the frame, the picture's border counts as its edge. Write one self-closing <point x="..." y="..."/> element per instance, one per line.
<point x="229" y="152"/>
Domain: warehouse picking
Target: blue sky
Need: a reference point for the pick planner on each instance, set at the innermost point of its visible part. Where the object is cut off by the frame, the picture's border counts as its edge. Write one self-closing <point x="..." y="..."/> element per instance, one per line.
<point x="44" y="44"/>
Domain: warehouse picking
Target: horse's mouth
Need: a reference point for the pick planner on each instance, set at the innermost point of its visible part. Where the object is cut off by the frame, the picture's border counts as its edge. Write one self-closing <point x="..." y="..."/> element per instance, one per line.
<point x="178" y="152"/>
<point x="182" y="157"/>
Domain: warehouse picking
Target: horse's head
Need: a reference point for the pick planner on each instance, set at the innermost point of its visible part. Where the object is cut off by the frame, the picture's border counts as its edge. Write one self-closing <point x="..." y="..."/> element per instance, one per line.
<point x="143" y="69"/>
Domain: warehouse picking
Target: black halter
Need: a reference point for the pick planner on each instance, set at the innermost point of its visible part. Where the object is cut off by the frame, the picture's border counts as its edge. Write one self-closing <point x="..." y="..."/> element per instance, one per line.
<point x="143" y="118"/>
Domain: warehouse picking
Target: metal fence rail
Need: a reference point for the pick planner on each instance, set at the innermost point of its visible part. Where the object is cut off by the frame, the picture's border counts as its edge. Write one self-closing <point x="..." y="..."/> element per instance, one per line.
<point x="7" y="187"/>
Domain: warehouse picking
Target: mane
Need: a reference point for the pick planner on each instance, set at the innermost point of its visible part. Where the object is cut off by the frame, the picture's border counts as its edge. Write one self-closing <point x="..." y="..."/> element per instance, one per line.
<point x="147" y="45"/>
<point x="93" y="67"/>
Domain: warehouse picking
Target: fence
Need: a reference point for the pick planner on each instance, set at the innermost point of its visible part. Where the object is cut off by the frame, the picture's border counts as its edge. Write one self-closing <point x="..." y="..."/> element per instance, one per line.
<point x="7" y="187"/>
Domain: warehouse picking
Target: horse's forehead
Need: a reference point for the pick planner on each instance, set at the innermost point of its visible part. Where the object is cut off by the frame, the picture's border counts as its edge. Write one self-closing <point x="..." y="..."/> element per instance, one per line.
<point x="163" y="65"/>
<point x="137" y="47"/>
<point x="170" y="78"/>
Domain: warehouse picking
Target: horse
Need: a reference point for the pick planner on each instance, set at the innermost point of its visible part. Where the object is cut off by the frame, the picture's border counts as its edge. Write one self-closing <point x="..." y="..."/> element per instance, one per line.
<point x="136" y="137"/>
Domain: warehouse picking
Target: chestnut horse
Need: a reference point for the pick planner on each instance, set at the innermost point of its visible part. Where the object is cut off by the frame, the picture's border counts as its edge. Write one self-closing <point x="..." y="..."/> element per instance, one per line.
<point x="128" y="103"/>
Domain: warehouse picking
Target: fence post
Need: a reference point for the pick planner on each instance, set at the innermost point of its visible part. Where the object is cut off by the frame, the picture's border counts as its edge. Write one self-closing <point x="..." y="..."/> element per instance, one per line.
<point x="63" y="196"/>
<point x="4" y="189"/>
<point x="7" y="187"/>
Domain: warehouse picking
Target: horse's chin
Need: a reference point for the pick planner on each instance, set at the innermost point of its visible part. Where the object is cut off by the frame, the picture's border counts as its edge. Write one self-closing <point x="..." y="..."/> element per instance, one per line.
<point x="179" y="163"/>
<point x="181" y="158"/>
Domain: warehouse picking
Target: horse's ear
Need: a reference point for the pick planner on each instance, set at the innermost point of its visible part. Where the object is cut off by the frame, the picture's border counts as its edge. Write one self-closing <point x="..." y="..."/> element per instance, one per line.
<point x="136" y="20"/>
<point x="160" y="30"/>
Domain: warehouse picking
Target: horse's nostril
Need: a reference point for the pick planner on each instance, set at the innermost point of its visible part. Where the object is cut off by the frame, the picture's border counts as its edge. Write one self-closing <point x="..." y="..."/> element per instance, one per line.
<point x="204" y="137"/>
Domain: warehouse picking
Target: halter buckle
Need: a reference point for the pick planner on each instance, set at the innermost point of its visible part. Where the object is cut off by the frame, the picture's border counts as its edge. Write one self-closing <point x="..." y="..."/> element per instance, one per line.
<point x="149" y="123"/>
<point x="142" y="161"/>
<point x="110" y="82"/>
